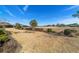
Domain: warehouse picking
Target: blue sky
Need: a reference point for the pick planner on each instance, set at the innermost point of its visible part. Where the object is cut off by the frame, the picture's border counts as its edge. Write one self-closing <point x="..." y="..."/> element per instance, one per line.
<point x="44" y="14"/>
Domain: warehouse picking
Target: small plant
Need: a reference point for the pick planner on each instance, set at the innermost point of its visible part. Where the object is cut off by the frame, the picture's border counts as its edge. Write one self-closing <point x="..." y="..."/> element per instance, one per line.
<point x="49" y="30"/>
<point x="67" y="32"/>
<point x="53" y="31"/>
<point x="74" y="31"/>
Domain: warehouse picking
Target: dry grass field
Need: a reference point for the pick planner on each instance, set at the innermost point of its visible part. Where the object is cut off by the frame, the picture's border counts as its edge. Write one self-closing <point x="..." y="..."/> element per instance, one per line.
<point x="35" y="41"/>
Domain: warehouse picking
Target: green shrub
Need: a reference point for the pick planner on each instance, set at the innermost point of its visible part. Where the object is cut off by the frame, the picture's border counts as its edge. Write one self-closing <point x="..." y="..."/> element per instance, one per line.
<point x="18" y="26"/>
<point x="67" y="32"/>
<point x="3" y="35"/>
<point x="3" y="38"/>
<point x="74" y="31"/>
<point x="53" y="31"/>
<point x="49" y="30"/>
<point x="2" y="31"/>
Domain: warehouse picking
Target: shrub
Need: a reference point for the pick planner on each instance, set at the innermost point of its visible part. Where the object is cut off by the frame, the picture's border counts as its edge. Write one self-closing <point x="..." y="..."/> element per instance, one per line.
<point x="49" y="30"/>
<point x="67" y="32"/>
<point x="3" y="35"/>
<point x="2" y="31"/>
<point x="53" y="31"/>
<point x="3" y="38"/>
<point x="74" y="31"/>
<point x="18" y="26"/>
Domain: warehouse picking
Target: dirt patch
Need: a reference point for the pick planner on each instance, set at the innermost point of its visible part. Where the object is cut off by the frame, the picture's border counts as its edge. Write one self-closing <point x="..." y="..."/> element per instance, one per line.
<point x="42" y="42"/>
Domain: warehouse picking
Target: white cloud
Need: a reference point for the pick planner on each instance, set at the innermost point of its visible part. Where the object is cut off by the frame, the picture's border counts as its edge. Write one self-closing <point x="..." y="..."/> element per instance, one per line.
<point x="7" y="11"/>
<point x="20" y="11"/>
<point x="11" y="14"/>
<point x="69" y="21"/>
<point x="25" y="8"/>
<point x="72" y="7"/>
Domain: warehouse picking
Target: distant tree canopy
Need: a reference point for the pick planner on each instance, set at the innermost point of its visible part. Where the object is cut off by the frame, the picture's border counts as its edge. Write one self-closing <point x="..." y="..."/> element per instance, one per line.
<point x="18" y="26"/>
<point x="33" y="24"/>
<point x="73" y="25"/>
<point x="60" y="25"/>
<point x="70" y="25"/>
<point x="76" y="15"/>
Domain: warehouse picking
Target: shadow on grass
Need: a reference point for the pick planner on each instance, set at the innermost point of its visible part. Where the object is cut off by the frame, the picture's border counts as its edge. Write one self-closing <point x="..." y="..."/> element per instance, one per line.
<point x="11" y="46"/>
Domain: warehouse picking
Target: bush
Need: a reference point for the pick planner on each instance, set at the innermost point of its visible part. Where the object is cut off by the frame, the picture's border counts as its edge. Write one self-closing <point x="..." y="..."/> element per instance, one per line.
<point x="74" y="31"/>
<point x="3" y="38"/>
<point x="67" y="32"/>
<point x="2" y="31"/>
<point x="53" y="31"/>
<point x="49" y="30"/>
<point x="18" y="26"/>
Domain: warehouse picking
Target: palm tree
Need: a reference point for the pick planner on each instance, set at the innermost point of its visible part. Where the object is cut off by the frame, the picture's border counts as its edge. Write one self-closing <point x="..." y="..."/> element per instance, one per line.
<point x="33" y="24"/>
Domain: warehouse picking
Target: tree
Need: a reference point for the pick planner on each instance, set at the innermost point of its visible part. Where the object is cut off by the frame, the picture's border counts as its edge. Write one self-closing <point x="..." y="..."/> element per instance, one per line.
<point x="18" y="26"/>
<point x="58" y="25"/>
<point x="76" y="15"/>
<point x="33" y="24"/>
<point x="74" y="25"/>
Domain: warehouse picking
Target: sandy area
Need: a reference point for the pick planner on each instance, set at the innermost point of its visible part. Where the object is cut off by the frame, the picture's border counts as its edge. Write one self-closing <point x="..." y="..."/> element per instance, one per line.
<point x="43" y="42"/>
